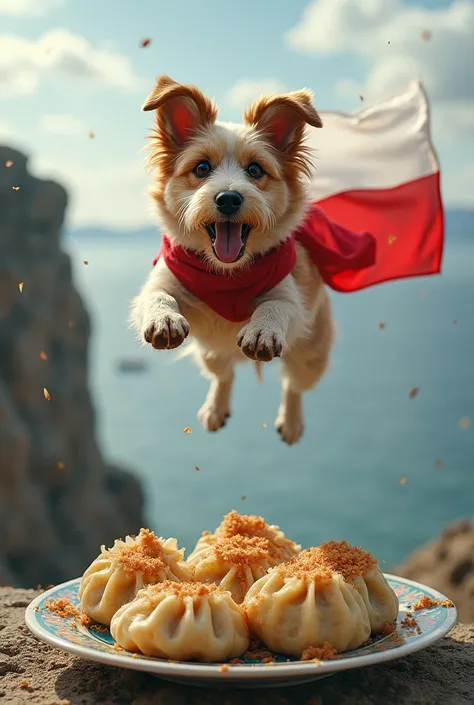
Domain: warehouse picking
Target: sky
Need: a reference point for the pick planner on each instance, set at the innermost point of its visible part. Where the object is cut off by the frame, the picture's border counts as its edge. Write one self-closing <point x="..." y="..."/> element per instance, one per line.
<point x="73" y="77"/>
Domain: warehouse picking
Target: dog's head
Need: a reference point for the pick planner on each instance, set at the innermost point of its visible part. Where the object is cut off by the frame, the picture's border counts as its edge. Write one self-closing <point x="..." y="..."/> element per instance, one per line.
<point x="229" y="191"/>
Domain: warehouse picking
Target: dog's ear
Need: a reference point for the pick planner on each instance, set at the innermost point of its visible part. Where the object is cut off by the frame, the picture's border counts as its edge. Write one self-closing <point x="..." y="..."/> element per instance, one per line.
<point x="180" y="110"/>
<point x="282" y="118"/>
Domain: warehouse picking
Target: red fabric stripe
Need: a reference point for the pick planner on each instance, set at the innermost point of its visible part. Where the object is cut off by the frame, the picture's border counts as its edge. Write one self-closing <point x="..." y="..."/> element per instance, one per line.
<point x="232" y="295"/>
<point x="407" y="222"/>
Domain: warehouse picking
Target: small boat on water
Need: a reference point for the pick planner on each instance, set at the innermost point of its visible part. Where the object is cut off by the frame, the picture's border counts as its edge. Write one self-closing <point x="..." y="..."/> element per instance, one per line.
<point x="131" y="365"/>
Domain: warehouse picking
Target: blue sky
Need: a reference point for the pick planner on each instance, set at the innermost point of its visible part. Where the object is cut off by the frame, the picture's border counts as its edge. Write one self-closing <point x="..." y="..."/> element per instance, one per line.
<point x="68" y="67"/>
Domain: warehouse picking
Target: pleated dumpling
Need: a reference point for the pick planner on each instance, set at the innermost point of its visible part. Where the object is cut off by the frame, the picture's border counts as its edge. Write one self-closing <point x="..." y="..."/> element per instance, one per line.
<point x="205" y="541"/>
<point x="240" y="551"/>
<point x="235" y="563"/>
<point x="118" y="573"/>
<point x="248" y="526"/>
<point x="183" y="622"/>
<point x="362" y="570"/>
<point x="235" y="524"/>
<point x="302" y="604"/>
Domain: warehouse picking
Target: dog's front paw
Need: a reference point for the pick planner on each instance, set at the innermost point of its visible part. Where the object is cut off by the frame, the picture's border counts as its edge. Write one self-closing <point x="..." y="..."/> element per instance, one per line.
<point x="289" y="427"/>
<point x="258" y="343"/>
<point x="167" y="332"/>
<point x="213" y="416"/>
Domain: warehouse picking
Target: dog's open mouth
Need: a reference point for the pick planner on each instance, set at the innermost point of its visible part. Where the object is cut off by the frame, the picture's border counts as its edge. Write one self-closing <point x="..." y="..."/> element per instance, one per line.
<point x="228" y="239"/>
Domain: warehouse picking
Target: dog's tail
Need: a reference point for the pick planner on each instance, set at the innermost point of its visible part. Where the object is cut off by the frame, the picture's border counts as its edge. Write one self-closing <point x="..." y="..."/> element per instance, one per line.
<point x="258" y="370"/>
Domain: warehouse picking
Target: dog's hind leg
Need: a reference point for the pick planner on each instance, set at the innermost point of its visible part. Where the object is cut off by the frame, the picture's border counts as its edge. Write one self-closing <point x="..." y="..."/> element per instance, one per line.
<point x="303" y="366"/>
<point x="220" y="370"/>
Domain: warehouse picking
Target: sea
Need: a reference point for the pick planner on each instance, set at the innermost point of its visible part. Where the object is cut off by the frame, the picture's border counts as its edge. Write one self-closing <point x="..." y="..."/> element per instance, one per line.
<point x="387" y="459"/>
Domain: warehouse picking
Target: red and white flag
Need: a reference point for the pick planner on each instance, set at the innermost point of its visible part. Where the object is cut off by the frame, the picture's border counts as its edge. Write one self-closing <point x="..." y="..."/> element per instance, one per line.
<point x="376" y="216"/>
<point x="377" y="173"/>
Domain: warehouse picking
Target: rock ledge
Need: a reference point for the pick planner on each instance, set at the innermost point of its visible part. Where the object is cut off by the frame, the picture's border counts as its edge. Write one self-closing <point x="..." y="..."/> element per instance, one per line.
<point x="34" y="673"/>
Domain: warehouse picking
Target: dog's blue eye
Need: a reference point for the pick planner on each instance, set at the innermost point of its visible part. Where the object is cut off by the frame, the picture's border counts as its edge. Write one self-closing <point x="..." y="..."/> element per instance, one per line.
<point x="255" y="170"/>
<point x="202" y="169"/>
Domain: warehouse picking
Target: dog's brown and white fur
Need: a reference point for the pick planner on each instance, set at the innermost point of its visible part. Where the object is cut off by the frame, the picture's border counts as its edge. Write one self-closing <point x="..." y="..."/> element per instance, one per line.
<point x="292" y="321"/>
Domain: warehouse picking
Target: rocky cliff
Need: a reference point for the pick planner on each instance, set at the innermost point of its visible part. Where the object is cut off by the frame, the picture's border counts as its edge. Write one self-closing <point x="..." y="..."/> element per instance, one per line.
<point x="59" y="500"/>
<point x="447" y="564"/>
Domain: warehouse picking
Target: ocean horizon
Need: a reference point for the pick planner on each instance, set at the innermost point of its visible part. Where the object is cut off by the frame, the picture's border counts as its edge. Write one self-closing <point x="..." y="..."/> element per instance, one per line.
<point x="375" y="467"/>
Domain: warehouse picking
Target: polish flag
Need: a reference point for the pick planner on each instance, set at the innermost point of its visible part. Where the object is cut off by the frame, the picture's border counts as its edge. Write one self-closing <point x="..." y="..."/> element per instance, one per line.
<point x="377" y="172"/>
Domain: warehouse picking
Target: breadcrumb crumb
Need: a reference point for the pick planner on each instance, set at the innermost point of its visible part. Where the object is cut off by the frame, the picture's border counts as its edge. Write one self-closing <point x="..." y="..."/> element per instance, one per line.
<point x="427" y="603"/>
<point x="388" y="629"/>
<point x="326" y="652"/>
<point x="62" y="608"/>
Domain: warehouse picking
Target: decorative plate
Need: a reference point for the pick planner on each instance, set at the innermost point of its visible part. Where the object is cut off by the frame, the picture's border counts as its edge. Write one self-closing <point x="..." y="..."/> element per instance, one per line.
<point x="67" y="634"/>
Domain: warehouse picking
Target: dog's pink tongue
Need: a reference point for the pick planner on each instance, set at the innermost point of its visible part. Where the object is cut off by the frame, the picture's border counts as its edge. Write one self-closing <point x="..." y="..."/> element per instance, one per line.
<point x="228" y="241"/>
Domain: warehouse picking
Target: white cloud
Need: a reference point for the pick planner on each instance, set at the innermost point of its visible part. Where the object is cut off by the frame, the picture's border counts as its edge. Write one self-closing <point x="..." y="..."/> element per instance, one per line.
<point x="398" y="42"/>
<point x="245" y="91"/>
<point x="102" y="191"/>
<point x="64" y="125"/>
<point x="21" y="8"/>
<point x="25" y="63"/>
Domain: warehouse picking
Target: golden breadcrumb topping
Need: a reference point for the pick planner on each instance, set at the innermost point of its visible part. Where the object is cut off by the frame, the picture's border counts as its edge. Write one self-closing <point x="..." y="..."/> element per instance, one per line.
<point x="321" y="562"/>
<point x="235" y="524"/>
<point x="145" y="555"/>
<point x="184" y="589"/>
<point x="242" y="551"/>
<point x="244" y="524"/>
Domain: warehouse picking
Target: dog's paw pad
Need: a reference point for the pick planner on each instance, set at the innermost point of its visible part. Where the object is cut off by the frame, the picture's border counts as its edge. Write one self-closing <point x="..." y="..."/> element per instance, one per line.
<point x="167" y="333"/>
<point x="213" y="417"/>
<point x="260" y="345"/>
<point x="290" y="429"/>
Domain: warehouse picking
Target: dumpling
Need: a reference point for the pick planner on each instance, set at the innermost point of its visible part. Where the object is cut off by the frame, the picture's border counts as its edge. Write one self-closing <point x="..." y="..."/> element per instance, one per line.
<point x="235" y="524"/>
<point x="235" y="563"/>
<point x="204" y="543"/>
<point x="362" y="570"/>
<point x="117" y="574"/>
<point x="303" y="604"/>
<point x="183" y="622"/>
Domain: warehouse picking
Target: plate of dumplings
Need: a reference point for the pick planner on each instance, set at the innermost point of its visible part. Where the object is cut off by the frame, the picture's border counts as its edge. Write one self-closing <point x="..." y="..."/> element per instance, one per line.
<point x="248" y="607"/>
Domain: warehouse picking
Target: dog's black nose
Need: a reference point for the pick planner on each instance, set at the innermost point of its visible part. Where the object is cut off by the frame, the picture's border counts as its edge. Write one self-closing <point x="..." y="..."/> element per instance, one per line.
<point x="228" y="202"/>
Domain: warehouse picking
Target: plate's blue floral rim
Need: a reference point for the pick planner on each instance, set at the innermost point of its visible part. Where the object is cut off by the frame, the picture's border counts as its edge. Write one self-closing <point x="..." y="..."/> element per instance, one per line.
<point x="68" y="635"/>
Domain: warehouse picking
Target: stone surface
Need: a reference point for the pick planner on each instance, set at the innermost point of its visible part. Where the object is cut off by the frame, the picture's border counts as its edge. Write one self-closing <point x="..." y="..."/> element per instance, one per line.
<point x="34" y="673"/>
<point x="59" y="500"/>
<point x="447" y="564"/>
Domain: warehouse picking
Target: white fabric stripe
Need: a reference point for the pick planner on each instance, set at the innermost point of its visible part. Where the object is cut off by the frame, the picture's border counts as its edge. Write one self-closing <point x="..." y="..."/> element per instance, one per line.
<point x="385" y="144"/>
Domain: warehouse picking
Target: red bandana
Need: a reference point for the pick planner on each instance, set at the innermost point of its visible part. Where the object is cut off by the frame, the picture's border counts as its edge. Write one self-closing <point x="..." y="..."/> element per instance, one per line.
<point x="397" y="246"/>
<point x="333" y="248"/>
